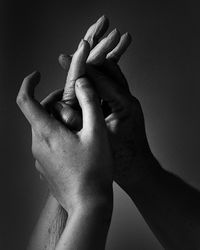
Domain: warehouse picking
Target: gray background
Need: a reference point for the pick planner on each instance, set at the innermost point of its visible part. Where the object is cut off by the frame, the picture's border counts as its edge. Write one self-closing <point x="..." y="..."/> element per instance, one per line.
<point x="162" y="68"/>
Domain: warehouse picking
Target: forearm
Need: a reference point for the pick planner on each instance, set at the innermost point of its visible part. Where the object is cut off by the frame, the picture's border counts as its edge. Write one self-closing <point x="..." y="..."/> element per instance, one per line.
<point x="169" y="206"/>
<point x="87" y="226"/>
<point x="49" y="226"/>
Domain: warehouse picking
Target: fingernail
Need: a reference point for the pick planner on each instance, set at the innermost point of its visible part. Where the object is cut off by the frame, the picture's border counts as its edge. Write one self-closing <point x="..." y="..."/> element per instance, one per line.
<point x="81" y="44"/>
<point x="101" y="18"/>
<point x="36" y="74"/>
<point x="113" y="32"/>
<point x="128" y="35"/>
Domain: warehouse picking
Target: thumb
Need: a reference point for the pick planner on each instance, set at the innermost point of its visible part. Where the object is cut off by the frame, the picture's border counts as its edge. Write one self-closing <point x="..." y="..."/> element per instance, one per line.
<point x="92" y="114"/>
<point x="69" y="116"/>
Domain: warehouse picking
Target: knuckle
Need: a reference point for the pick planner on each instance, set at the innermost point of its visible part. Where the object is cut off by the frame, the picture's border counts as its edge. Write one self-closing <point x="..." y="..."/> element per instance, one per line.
<point x="82" y="83"/>
<point x="45" y="131"/>
<point x="44" y="142"/>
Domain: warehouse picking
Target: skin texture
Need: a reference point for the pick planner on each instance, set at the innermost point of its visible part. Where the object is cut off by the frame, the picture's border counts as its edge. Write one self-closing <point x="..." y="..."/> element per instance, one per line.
<point x="71" y="115"/>
<point x="56" y="147"/>
<point x="54" y="224"/>
<point x="72" y="163"/>
<point x="169" y="205"/>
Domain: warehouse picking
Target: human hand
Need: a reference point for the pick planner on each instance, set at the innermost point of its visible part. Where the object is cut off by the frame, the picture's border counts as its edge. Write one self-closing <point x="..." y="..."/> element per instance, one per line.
<point x="77" y="165"/>
<point x="110" y="47"/>
<point x="124" y="117"/>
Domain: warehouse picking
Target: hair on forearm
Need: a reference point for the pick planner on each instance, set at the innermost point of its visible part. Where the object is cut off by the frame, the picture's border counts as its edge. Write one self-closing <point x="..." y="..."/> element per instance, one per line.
<point x="56" y="228"/>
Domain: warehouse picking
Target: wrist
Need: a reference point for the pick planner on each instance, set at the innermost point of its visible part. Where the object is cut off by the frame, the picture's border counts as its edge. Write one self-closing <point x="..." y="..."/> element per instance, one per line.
<point x="91" y="200"/>
<point x="144" y="169"/>
<point x="88" y="223"/>
<point x="93" y="205"/>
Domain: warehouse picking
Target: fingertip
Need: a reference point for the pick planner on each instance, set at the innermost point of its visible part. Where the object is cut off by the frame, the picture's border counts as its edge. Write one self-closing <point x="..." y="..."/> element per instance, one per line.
<point x="30" y="82"/>
<point x="64" y="60"/>
<point x="102" y="25"/>
<point x="105" y="17"/>
<point x="121" y="47"/>
<point x="102" y="18"/>
<point x="128" y="37"/>
<point x="26" y="92"/>
<point x="64" y="56"/>
<point x="34" y="75"/>
<point x="114" y="33"/>
<point x="96" y="31"/>
<point x="114" y="37"/>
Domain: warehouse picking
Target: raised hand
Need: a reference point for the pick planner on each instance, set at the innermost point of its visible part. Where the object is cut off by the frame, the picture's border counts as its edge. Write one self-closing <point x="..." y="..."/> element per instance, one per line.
<point x="71" y="113"/>
<point x="168" y="204"/>
<point x="122" y="111"/>
<point x="77" y="166"/>
<point x="110" y="47"/>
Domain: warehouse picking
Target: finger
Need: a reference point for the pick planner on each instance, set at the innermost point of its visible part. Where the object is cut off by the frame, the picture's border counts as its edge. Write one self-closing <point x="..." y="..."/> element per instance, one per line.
<point x="93" y="34"/>
<point x="65" y="60"/>
<point x="115" y="95"/>
<point x="69" y="116"/>
<point x="76" y="70"/>
<point x="98" y="54"/>
<point x="96" y="31"/>
<point x="122" y="46"/>
<point x="112" y="69"/>
<point x="31" y="108"/>
<point x="52" y="98"/>
<point x="109" y="66"/>
<point x="91" y="110"/>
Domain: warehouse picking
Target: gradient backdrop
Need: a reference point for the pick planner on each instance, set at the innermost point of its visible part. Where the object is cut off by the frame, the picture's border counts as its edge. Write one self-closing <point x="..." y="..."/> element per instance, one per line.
<point x="162" y="68"/>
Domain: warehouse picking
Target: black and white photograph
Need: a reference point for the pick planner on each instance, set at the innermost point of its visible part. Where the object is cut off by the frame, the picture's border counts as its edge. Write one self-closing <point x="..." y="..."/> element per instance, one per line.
<point x="100" y="125"/>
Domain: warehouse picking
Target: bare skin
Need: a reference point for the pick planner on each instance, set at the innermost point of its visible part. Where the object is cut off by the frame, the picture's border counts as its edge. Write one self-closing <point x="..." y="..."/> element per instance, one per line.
<point x="169" y="205"/>
<point x="72" y="163"/>
<point x="115" y="47"/>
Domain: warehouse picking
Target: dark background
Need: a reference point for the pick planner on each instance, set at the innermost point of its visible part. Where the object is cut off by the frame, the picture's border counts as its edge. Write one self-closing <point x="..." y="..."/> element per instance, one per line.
<point x="162" y="67"/>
